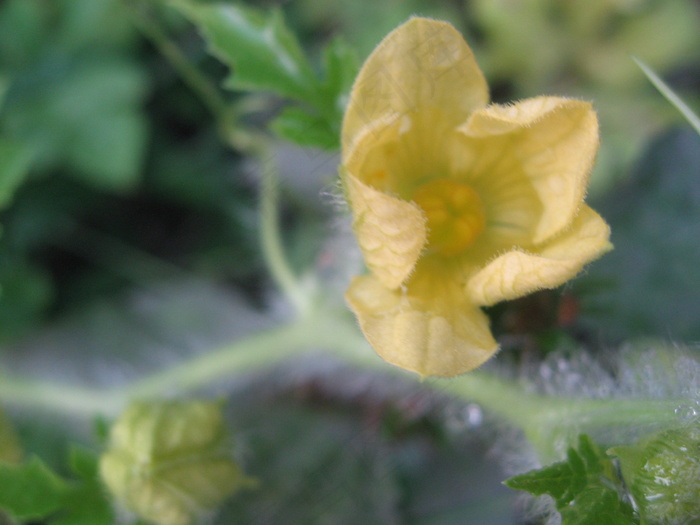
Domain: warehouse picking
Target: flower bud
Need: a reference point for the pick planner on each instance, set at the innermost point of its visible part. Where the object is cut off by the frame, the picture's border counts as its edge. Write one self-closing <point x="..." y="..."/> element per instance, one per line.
<point x="663" y="474"/>
<point x="170" y="462"/>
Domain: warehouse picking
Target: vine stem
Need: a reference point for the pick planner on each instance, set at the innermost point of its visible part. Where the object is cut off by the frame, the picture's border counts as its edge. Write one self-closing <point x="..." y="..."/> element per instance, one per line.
<point x="242" y="139"/>
<point x="56" y="397"/>
<point x="271" y="238"/>
<point x="551" y="424"/>
<point x="195" y="79"/>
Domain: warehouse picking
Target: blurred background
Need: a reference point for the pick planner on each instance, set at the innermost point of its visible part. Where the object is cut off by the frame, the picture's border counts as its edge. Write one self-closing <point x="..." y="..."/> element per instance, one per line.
<point x="129" y="240"/>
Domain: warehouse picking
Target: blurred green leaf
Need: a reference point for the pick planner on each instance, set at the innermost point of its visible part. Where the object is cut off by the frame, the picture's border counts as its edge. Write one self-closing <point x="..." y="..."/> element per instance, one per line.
<point x="25" y="292"/>
<point x="341" y="65"/>
<point x="82" y="20"/>
<point x="582" y="487"/>
<point x="652" y="279"/>
<point x="83" y="462"/>
<point x="30" y="490"/>
<point x="14" y="165"/>
<point x="23" y="25"/>
<point x="86" y="502"/>
<point x="76" y="89"/>
<point x="111" y="146"/>
<point x="89" y="117"/>
<point x="261" y="52"/>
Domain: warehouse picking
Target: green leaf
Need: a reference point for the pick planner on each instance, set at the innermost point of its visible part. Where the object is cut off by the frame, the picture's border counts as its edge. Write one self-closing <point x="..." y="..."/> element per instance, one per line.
<point x="14" y="165"/>
<point x="597" y="504"/>
<point x="662" y="472"/>
<point x="33" y="491"/>
<point x="258" y="47"/>
<point x="306" y="129"/>
<point x="109" y="152"/>
<point x="556" y="480"/>
<point x="341" y="65"/>
<point x="583" y="487"/>
<point x="321" y="127"/>
<point x="30" y="490"/>
<point x="86" y="502"/>
<point x="83" y="462"/>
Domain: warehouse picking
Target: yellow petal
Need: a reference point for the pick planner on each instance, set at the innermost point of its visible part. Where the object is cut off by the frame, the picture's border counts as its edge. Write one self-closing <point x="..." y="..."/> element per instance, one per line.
<point x="517" y="273"/>
<point x="554" y="141"/>
<point x="397" y="156"/>
<point x="422" y="63"/>
<point x="425" y="333"/>
<point x="391" y="232"/>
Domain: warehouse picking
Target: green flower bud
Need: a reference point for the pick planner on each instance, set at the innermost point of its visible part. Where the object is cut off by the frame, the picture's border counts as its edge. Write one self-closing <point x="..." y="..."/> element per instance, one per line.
<point x="170" y="462"/>
<point x="663" y="474"/>
<point x="10" y="451"/>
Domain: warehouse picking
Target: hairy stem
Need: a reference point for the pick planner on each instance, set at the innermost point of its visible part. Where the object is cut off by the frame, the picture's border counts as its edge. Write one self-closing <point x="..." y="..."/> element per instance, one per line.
<point x="550" y="423"/>
<point x="271" y="237"/>
<point x="55" y="397"/>
<point x="199" y="83"/>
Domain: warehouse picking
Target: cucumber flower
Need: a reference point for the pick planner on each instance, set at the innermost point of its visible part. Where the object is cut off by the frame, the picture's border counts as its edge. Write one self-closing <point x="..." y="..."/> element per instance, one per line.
<point x="458" y="204"/>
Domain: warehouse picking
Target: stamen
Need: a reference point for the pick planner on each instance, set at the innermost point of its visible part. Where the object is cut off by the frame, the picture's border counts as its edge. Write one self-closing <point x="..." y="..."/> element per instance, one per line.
<point x="455" y="214"/>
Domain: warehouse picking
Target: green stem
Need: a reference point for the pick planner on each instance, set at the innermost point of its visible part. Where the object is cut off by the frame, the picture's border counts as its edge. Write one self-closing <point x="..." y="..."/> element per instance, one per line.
<point x="42" y="395"/>
<point x="242" y="139"/>
<point x="551" y="424"/>
<point x="271" y="238"/>
<point x="195" y="80"/>
<point x="257" y="351"/>
<point x="670" y="95"/>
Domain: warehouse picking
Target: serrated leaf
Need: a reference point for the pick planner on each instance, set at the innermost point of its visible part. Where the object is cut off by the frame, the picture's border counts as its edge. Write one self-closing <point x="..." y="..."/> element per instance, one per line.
<point x="555" y="480"/>
<point x="597" y="504"/>
<point x="591" y="455"/>
<point x="306" y="129"/>
<point x="583" y="487"/>
<point x="83" y="462"/>
<point x="262" y="53"/>
<point x="30" y="490"/>
<point x="341" y="65"/>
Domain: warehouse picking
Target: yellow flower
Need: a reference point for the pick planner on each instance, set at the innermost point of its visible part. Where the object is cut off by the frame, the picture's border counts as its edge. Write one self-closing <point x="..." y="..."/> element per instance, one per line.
<point x="458" y="204"/>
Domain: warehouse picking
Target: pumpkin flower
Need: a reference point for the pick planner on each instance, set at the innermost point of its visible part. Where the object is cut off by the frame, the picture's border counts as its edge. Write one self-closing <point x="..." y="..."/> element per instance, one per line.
<point x="458" y="204"/>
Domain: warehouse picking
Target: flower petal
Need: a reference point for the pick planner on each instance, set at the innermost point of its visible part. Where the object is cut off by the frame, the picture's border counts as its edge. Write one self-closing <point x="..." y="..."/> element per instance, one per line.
<point x="517" y="273"/>
<point x="554" y="141"/>
<point x="421" y="332"/>
<point x="422" y="63"/>
<point x="391" y="232"/>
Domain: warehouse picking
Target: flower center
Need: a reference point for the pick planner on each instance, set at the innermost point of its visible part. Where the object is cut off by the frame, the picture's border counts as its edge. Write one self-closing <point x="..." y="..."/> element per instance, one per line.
<point x="455" y="214"/>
